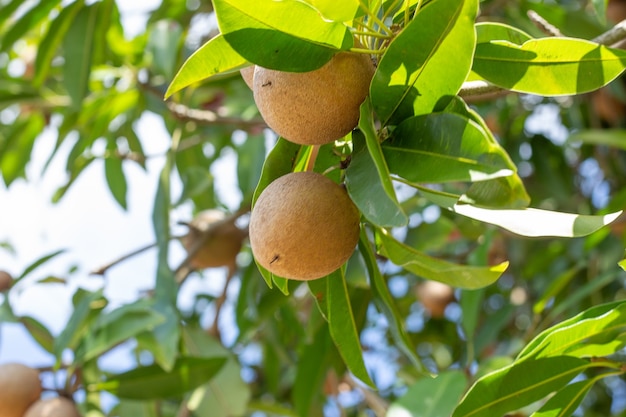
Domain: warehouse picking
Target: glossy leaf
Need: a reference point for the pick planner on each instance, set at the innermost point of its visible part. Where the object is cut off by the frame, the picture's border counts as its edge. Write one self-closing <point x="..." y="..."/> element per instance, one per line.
<point x="39" y="262"/>
<point x="492" y="31"/>
<point x="534" y="222"/>
<point x="564" y="65"/>
<point x="412" y="78"/>
<point x="343" y="329"/>
<point x="442" y="147"/>
<point x="430" y="397"/>
<point x="461" y="276"/>
<point x="152" y="382"/>
<point x="622" y="264"/>
<point x="286" y="36"/>
<point x="214" y="57"/>
<point x="385" y="304"/>
<point x="343" y="11"/>
<point x="566" y="401"/>
<point x="367" y="177"/>
<point x="518" y="385"/>
<point x="571" y="334"/>
<point x="78" y="46"/>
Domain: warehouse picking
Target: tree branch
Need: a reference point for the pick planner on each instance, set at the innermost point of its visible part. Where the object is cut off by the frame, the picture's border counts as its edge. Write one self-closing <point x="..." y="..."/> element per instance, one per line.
<point x="182" y="112"/>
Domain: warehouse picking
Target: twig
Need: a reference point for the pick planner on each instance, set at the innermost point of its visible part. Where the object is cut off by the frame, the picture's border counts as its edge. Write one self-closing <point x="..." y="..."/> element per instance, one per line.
<point x="104" y="268"/>
<point x="219" y="302"/>
<point x="543" y="25"/>
<point x="616" y="34"/>
<point x="182" y="112"/>
<point x="373" y="400"/>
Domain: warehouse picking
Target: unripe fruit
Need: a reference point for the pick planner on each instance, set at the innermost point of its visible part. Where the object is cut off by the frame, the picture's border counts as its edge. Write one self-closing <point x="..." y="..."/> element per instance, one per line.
<point x="315" y="107"/>
<point x="303" y="226"/>
<point x="5" y="281"/>
<point x="53" y="407"/>
<point x="247" y="74"/>
<point x="19" y="388"/>
<point x="221" y="246"/>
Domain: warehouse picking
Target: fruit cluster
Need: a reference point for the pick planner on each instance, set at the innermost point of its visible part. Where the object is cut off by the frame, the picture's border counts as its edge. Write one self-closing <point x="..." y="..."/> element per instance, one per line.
<point x="20" y="395"/>
<point x="304" y="226"/>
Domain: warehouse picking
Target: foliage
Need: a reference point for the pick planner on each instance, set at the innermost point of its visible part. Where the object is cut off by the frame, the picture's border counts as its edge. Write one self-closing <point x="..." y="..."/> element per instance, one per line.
<point x="455" y="166"/>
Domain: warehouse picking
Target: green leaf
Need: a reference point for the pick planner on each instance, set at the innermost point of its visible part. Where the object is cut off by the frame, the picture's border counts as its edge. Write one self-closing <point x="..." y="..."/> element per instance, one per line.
<point x="152" y="382"/>
<point x="39" y="332"/>
<point x="52" y="40"/>
<point x="566" y="401"/>
<point x="518" y="385"/>
<point x="494" y="31"/>
<point x="311" y="372"/>
<point x="116" y="179"/>
<point x="226" y="394"/>
<point x="412" y="78"/>
<point x="87" y="306"/>
<point x="367" y="178"/>
<point x="26" y="22"/>
<point x="30" y="268"/>
<point x="164" y="39"/>
<point x="15" y="151"/>
<point x="442" y="147"/>
<point x="8" y="8"/>
<point x="385" y="304"/>
<point x="214" y="57"/>
<point x="337" y="11"/>
<point x="343" y="329"/>
<point x="163" y="340"/>
<point x="564" y="65"/>
<point x="461" y="276"/>
<point x="622" y="264"/>
<point x="615" y="138"/>
<point x="286" y="36"/>
<point x="116" y="327"/>
<point x="558" y="283"/>
<point x="572" y="334"/>
<point x="78" y="46"/>
<point x="430" y="397"/>
<point x="535" y="223"/>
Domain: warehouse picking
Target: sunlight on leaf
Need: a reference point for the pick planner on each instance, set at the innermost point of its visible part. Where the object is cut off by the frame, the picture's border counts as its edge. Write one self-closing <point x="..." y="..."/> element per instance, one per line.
<point x="564" y="65"/>
<point x="537" y="223"/>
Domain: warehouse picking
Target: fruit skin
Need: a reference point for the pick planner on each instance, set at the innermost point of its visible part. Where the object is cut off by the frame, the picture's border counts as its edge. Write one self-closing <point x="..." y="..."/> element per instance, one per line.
<point x="221" y="248"/>
<point x="435" y="297"/>
<point x="53" y="407"/>
<point x="5" y="282"/>
<point x="19" y="388"/>
<point x="303" y="226"/>
<point x="315" y="107"/>
<point x="247" y="74"/>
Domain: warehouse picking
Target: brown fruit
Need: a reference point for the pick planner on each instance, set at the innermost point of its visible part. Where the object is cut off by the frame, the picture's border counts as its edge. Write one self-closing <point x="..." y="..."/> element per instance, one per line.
<point x="247" y="74"/>
<point x="315" y="107"/>
<point x="303" y="226"/>
<point x="222" y="245"/>
<point x="19" y="388"/>
<point x="5" y="281"/>
<point x="435" y="297"/>
<point x="53" y="407"/>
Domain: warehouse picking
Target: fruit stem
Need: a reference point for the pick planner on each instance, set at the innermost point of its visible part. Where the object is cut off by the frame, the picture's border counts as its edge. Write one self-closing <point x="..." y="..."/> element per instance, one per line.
<point x="374" y="18"/>
<point x="372" y="34"/>
<point x="368" y="51"/>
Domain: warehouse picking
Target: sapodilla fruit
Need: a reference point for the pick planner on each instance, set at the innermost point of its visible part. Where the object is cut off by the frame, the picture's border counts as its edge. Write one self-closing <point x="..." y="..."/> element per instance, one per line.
<point x="303" y="226"/>
<point x="19" y="388"/>
<point x="222" y="245"/>
<point x="5" y="282"/>
<point x="315" y="107"/>
<point x="247" y="74"/>
<point x="53" y="407"/>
